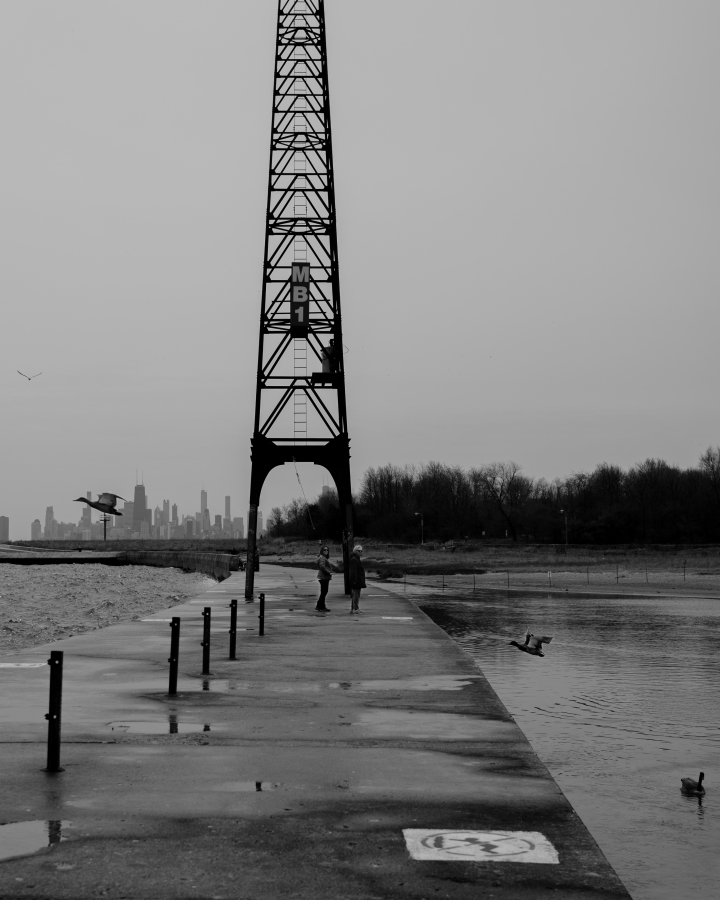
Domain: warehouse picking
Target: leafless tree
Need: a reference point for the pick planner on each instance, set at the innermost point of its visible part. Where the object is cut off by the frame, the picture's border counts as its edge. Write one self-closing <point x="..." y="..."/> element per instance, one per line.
<point x="504" y="485"/>
<point x="710" y="467"/>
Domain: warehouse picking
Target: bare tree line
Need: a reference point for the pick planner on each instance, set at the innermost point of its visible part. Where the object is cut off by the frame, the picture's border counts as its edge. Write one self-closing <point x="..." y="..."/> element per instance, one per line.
<point x="652" y="502"/>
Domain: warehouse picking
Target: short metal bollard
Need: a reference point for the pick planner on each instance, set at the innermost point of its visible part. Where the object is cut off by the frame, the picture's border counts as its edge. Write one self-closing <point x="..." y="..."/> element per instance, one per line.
<point x="261" y="630"/>
<point x="205" y="644"/>
<point x="54" y="715"/>
<point x="233" y="628"/>
<point x="174" y="654"/>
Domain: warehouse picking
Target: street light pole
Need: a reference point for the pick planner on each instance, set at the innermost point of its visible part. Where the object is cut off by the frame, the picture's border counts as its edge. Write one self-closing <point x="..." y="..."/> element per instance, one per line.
<point x="422" y="528"/>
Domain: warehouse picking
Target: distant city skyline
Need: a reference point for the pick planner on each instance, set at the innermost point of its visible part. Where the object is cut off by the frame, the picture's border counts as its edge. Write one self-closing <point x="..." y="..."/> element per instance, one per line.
<point x="138" y="521"/>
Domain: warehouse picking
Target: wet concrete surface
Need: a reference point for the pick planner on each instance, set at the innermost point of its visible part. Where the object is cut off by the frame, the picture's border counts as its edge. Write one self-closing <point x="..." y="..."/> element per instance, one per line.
<point x="291" y="771"/>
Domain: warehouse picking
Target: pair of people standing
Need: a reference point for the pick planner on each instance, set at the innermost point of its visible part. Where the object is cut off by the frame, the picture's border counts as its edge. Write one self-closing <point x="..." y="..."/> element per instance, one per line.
<point x="357" y="578"/>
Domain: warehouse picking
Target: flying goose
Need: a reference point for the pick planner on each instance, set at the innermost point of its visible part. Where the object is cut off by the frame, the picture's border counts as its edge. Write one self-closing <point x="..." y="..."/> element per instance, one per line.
<point x="532" y="644"/>
<point x="29" y="377"/>
<point x="105" y="503"/>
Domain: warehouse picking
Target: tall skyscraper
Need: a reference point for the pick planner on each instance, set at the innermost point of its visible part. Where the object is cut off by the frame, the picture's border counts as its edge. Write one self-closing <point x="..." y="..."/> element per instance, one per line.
<point x="259" y="522"/>
<point x="86" y="517"/>
<point x="166" y="512"/>
<point x="49" y="516"/>
<point x="227" y="508"/>
<point x="139" y="507"/>
<point x="4" y="528"/>
<point x="174" y="514"/>
<point x="203" y="501"/>
<point x="36" y="530"/>
<point x="158" y="516"/>
<point x="238" y="527"/>
<point x="206" y="519"/>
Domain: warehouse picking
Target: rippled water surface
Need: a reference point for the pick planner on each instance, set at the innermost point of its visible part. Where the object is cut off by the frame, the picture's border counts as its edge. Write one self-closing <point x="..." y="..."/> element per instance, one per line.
<point x="625" y="703"/>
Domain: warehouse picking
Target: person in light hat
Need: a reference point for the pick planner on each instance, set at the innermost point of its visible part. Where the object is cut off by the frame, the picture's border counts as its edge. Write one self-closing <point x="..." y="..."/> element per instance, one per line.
<point x="357" y="578"/>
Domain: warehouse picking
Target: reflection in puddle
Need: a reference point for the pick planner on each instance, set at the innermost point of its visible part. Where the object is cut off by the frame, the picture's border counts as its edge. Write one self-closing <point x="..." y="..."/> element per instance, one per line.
<point x="224" y="685"/>
<point x="248" y="786"/>
<point x="172" y="726"/>
<point x="24" y="838"/>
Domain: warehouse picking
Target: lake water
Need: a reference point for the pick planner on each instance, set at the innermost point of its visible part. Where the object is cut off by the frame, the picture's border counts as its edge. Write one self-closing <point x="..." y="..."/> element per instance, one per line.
<point x="625" y="703"/>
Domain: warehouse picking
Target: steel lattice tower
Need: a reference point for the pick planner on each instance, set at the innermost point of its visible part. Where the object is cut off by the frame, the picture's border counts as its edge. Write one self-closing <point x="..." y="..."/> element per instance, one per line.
<point x="300" y="412"/>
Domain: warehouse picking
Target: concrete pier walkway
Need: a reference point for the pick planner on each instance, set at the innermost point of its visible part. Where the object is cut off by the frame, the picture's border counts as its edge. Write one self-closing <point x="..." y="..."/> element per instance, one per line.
<point x="339" y="757"/>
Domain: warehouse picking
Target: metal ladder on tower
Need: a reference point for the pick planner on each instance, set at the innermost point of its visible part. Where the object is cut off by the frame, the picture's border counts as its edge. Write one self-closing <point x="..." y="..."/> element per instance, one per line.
<point x="300" y="107"/>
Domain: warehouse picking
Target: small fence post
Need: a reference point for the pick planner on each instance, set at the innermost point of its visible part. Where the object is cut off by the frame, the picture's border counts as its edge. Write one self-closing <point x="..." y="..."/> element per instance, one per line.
<point x="55" y="712"/>
<point x="233" y="628"/>
<point x="174" y="654"/>
<point x="205" y="643"/>
<point x="261" y="617"/>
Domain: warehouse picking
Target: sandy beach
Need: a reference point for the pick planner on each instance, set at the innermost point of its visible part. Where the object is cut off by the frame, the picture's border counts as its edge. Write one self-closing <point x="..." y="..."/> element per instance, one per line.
<point x="39" y="604"/>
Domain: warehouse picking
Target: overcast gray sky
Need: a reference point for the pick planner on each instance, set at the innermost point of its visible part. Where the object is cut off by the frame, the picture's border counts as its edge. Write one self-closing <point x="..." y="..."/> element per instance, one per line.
<point x="528" y="198"/>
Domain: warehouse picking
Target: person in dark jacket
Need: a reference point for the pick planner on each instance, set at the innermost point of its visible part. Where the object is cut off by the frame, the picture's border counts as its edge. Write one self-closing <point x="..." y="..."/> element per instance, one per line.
<point x="325" y="570"/>
<point x="357" y="578"/>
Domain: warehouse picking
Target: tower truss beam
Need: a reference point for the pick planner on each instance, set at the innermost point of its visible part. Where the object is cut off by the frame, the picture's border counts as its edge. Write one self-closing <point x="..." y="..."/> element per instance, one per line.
<point x="300" y="415"/>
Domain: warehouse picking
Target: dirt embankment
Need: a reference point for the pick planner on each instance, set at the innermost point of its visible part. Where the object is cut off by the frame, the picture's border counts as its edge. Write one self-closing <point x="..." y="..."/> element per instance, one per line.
<point x="665" y="569"/>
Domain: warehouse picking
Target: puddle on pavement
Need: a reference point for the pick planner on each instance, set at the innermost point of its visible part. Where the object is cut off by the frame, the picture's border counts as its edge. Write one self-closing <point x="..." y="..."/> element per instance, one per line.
<point x="224" y="685"/>
<point x="22" y="665"/>
<point x="248" y="786"/>
<point x="167" y="726"/>
<point x="24" y="838"/>
<point x="419" y="683"/>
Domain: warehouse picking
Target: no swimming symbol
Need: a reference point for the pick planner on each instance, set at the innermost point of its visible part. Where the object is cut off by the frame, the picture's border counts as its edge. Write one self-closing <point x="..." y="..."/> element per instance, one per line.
<point x="479" y="846"/>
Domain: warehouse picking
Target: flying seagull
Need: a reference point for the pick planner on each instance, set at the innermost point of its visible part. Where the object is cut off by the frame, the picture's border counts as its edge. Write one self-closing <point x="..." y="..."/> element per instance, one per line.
<point x="29" y="377"/>
<point x="105" y="503"/>
<point x="532" y="644"/>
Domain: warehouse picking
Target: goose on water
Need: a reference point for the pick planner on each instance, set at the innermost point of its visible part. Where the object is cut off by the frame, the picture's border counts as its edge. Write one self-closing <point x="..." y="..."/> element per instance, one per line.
<point x="105" y="503"/>
<point x="690" y="786"/>
<point x="532" y="644"/>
